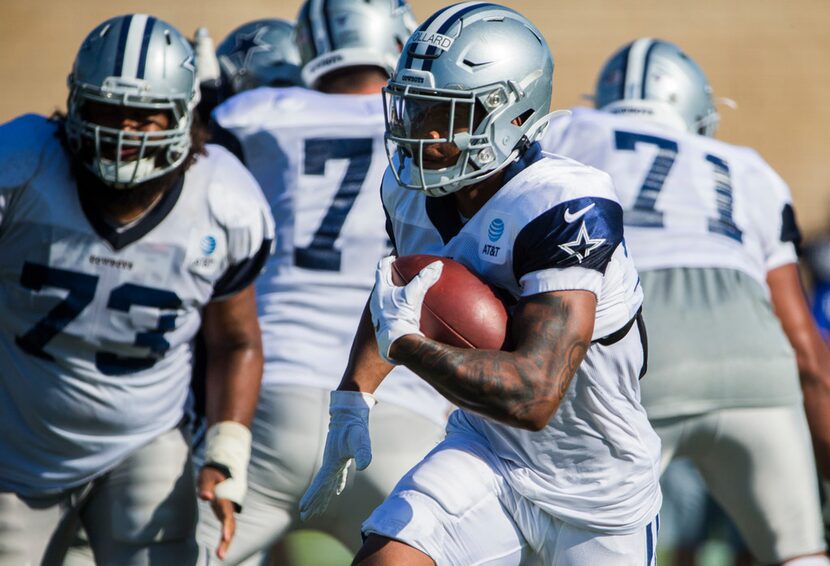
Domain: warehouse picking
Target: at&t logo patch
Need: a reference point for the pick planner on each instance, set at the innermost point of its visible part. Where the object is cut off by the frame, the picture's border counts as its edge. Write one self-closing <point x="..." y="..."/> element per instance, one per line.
<point x="494" y="237"/>
<point x="495" y="230"/>
<point x="208" y="245"/>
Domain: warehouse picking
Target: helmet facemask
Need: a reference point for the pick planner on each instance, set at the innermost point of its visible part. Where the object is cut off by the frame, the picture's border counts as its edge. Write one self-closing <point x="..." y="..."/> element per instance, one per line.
<point x="101" y="147"/>
<point x="143" y="66"/>
<point x="460" y="122"/>
<point x="490" y="72"/>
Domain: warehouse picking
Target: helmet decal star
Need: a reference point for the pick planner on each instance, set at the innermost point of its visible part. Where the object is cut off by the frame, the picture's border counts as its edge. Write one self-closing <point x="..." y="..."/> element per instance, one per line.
<point x="249" y="44"/>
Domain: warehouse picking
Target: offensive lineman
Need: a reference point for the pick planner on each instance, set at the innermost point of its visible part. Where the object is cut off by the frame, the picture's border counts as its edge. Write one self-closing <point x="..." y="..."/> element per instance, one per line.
<point x="712" y="231"/>
<point x="121" y="233"/>
<point x="551" y="452"/>
<point x="319" y="156"/>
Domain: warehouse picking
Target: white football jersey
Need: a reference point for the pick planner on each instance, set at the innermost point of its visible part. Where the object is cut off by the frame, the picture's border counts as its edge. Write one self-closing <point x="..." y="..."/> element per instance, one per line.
<point x="556" y="225"/>
<point x="319" y="159"/>
<point x="689" y="200"/>
<point x="96" y="322"/>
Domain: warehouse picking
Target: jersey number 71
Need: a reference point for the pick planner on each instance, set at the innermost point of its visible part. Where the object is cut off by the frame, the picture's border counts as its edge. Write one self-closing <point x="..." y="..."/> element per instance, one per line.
<point x="644" y="214"/>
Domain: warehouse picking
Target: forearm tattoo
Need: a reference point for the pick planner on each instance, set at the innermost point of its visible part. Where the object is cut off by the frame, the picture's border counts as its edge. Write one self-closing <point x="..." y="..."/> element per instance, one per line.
<point x="512" y="387"/>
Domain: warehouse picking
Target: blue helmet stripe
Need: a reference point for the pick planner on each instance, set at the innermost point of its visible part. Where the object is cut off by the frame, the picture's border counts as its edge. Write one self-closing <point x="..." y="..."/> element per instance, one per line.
<point x="306" y="15"/>
<point x="122" y="45"/>
<point x="422" y="27"/>
<point x="316" y="17"/>
<point x="624" y="56"/>
<point x="327" y="20"/>
<point x="646" y="61"/>
<point x="145" y="44"/>
<point x="445" y="27"/>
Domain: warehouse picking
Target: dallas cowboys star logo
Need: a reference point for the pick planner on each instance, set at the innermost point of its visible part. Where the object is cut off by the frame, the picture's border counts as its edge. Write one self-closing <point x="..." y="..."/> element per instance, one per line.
<point x="189" y="63"/>
<point x="583" y="245"/>
<point x="248" y="44"/>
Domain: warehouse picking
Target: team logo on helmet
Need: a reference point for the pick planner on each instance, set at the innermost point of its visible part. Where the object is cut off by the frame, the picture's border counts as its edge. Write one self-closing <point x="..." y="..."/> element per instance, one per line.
<point x="246" y="45"/>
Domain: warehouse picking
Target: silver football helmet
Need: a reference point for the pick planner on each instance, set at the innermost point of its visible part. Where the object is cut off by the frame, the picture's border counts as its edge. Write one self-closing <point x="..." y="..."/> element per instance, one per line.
<point x="476" y="75"/>
<point x="333" y="34"/>
<point x="259" y="53"/>
<point x="656" y="79"/>
<point x="139" y="62"/>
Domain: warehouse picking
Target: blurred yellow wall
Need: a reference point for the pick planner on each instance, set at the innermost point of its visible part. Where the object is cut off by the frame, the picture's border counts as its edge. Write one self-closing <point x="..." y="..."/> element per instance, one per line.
<point x="771" y="56"/>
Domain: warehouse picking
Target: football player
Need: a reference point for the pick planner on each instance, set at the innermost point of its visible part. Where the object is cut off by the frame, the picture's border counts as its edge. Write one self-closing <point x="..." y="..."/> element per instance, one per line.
<point x="121" y="233"/>
<point x="319" y="155"/>
<point x="550" y="452"/>
<point x="258" y="53"/>
<point x="712" y="231"/>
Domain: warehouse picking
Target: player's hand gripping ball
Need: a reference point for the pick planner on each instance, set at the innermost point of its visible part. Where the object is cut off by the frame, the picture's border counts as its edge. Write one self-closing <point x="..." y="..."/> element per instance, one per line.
<point x="459" y="309"/>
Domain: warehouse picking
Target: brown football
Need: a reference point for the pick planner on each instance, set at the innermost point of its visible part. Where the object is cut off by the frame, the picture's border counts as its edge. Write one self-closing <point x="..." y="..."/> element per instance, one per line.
<point x="461" y="309"/>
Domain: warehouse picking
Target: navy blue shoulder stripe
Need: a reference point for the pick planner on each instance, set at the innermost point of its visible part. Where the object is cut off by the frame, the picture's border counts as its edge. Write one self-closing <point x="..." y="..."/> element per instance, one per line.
<point x="240" y="275"/>
<point x="145" y="46"/>
<point x="122" y="45"/>
<point x="789" y="227"/>
<point x="582" y="232"/>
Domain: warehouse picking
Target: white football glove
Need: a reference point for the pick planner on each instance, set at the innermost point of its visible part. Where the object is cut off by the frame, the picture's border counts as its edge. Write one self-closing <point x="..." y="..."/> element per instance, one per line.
<point x="347" y="440"/>
<point x="228" y="444"/>
<point x="396" y="311"/>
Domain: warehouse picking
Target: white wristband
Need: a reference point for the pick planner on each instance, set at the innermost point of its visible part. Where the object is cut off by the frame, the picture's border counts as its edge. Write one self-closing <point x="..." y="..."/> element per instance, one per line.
<point x="228" y="444"/>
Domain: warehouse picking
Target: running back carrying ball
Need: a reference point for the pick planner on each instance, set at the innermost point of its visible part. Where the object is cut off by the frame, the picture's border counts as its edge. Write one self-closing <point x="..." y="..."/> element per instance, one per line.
<point x="460" y="309"/>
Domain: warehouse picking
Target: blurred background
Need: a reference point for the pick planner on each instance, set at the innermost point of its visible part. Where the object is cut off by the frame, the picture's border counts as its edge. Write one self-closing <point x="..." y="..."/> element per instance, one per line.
<point x="770" y="56"/>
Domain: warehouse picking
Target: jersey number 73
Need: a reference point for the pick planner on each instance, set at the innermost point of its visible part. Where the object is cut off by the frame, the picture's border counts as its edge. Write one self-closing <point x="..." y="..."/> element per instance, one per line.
<point x="81" y="290"/>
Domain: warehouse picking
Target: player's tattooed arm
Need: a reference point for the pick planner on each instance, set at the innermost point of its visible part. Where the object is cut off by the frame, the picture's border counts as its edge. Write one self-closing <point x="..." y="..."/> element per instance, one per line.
<point x="523" y="387"/>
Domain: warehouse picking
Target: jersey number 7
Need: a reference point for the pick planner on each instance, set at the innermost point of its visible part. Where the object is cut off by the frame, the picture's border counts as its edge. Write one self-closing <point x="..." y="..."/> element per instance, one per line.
<point x="320" y="253"/>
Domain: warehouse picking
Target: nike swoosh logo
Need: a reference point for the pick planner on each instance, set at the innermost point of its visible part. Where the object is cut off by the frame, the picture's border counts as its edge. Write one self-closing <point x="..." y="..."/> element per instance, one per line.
<point x="572" y="217"/>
